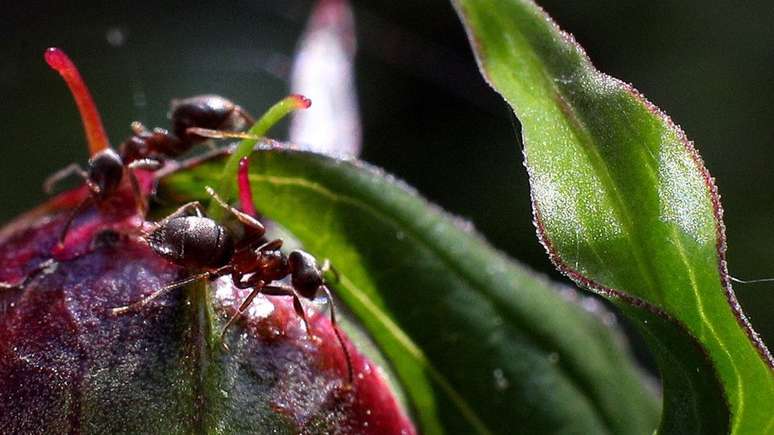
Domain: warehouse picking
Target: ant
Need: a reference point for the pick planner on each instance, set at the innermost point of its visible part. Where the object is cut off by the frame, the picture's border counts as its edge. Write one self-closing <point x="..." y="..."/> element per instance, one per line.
<point x="189" y="238"/>
<point x="145" y="150"/>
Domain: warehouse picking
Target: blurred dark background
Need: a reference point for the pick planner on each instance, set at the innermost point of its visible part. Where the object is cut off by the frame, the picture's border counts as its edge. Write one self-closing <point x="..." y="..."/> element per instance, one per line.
<point x="427" y="115"/>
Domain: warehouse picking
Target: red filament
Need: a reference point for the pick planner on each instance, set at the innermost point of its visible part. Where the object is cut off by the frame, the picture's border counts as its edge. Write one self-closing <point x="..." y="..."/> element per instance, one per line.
<point x="245" y="192"/>
<point x="92" y="123"/>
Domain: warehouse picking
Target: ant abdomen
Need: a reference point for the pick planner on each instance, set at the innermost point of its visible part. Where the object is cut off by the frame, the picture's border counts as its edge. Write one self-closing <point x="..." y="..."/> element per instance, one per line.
<point x="193" y="241"/>
<point x="211" y="112"/>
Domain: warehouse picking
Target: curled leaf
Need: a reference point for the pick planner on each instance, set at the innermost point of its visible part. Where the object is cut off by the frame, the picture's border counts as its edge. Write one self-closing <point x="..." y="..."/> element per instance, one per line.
<point x="626" y="208"/>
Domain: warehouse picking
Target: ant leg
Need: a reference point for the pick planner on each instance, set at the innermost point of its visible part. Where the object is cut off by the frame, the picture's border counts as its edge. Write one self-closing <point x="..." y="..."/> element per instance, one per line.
<point x="147" y="164"/>
<point x="220" y="134"/>
<point x="71" y="217"/>
<point x="56" y="177"/>
<point x="236" y="278"/>
<point x="118" y="311"/>
<point x="193" y="208"/>
<point x="281" y="290"/>
<point x="245" y="218"/>
<point x="46" y="267"/>
<point x="270" y="246"/>
<point x="336" y="331"/>
<point x="242" y="307"/>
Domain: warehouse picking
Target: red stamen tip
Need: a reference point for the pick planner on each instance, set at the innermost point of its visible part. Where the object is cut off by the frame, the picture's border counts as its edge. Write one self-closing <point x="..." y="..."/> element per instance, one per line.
<point x="92" y="123"/>
<point x="245" y="191"/>
<point x="58" y="60"/>
<point x="301" y="101"/>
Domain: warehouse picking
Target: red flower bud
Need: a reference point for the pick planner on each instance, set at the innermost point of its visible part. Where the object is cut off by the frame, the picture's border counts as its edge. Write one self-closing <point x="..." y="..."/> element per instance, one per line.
<point x="68" y="365"/>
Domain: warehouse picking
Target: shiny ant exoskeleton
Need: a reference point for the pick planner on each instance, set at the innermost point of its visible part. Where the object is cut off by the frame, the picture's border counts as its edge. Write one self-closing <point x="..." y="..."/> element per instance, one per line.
<point x="145" y="149"/>
<point x="190" y="239"/>
<point x="208" y="112"/>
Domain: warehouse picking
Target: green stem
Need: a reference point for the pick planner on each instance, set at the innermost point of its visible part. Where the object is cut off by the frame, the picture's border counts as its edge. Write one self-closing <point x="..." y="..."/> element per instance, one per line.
<point x="245" y="147"/>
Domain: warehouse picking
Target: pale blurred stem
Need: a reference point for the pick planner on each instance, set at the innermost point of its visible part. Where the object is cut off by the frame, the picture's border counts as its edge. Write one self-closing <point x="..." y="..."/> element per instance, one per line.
<point x="245" y="147"/>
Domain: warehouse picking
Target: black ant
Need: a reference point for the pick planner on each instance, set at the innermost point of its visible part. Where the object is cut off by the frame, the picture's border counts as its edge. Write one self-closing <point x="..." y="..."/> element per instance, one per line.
<point x="146" y="150"/>
<point x="207" y="112"/>
<point x="190" y="239"/>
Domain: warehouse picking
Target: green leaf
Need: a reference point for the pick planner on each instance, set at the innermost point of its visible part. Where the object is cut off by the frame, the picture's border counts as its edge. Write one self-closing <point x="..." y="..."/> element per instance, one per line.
<point x="625" y="207"/>
<point x="480" y="344"/>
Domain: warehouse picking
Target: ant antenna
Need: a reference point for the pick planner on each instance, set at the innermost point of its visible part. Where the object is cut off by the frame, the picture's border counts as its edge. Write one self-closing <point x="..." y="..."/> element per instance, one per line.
<point x="71" y="217"/>
<point x="92" y="123"/>
<point x="220" y="134"/>
<point x="336" y="331"/>
<point x="752" y="281"/>
<point x="245" y="218"/>
<point x="217" y="197"/>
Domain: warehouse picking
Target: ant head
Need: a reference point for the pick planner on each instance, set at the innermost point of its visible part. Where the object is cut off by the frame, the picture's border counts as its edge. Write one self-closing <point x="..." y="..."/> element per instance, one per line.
<point x="105" y="172"/>
<point x="305" y="275"/>
<point x="205" y="111"/>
